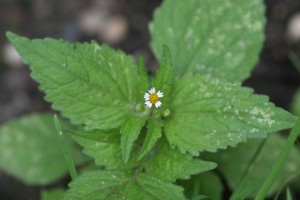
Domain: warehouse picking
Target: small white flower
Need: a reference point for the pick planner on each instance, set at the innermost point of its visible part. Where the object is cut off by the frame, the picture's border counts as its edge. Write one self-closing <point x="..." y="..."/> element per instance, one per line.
<point x="152" y="97"/>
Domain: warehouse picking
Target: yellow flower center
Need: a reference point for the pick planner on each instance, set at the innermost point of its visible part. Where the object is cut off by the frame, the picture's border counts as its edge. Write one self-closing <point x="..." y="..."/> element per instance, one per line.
<point x="153" y="98"/>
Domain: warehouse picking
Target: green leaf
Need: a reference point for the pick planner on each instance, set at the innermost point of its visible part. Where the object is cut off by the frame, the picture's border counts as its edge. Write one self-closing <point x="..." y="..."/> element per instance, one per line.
<point x="233" y="162"/>
<point x="104" y="147"/>
<point x="111" y="136"/>
<point x="170" y="164"/>
<point x="164" y="163"/>
<point x="209" y="114"/>
<point x="295" y="106"/>
<point x="52" y="194"/>
<point x="98" y="185"/>
<point x="288" y="194"/>
<point x="219" y="37"/>
<point x="90" y="84"/>
<point x="207" y="184"/>
<point x="164" y="74"/>
<point x="153" y="134"/>
<point x="30" y="150"/>
<point x="130" y="132"/>
<point x="143" y="79"/>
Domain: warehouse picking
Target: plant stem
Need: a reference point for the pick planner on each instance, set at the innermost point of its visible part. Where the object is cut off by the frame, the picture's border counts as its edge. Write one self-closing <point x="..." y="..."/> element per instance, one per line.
<point x="295" y="60"/>
<point x="279" y="162"/>
<point x="65" y="149"/>
<point x="237" y="193"/>
<point x="196" y="188"/>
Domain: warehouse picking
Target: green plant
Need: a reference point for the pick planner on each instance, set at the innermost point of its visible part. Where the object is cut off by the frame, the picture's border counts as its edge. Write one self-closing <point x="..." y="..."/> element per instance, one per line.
<point x="206" y="49"/>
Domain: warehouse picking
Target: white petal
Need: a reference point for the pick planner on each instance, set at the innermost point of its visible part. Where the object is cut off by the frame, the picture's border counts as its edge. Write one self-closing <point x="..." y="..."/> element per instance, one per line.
<point x="146" y="96"/>
<point x="157" y="104"/>
<point x="160" y="94"/>
<point x="148" y="103"/>
<point x="152" y="90"/>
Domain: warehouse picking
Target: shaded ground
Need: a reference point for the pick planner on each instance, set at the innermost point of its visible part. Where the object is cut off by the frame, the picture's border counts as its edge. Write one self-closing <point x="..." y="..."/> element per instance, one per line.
<point x="122" y="24"/>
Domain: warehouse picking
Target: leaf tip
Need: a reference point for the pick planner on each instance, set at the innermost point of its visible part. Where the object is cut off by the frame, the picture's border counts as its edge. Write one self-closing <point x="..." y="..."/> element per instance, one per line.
<point x="125" y="151"/>
<point x="166" y="51"/>
<point x="10" y="35"/>
<point x="125" y="156"/>
<point x="15" y="38"/>
<point x="141" y="155"/>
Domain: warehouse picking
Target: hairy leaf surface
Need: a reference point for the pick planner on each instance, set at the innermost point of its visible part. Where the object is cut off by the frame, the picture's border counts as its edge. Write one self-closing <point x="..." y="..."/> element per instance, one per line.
<point x="170" y="164"/>
<point x="164" y="75"/>
<point x="209" y="113"/>
<point x="219" y="37"/>
<point x="130" y="132"/>
<point x="90" y="84"/>
<point x="105" y="148"/>
<point x="153" y="134"/>
<point x="164" y="163"/>
<point x="98" y="185"/>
